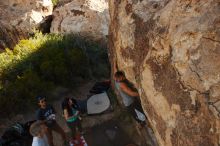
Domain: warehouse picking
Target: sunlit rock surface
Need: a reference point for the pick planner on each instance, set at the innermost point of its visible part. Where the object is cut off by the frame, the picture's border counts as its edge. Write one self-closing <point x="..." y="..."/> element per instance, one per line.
<point x="18" y="17"/>
<point x="84" y="17"/>
<point x="170" y="50"/>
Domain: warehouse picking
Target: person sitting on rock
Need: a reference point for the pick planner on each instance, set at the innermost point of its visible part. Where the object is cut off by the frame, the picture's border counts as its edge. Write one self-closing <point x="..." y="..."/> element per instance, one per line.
<point x="130" y="97"/>
<point x="38" y="130"/>
<point x="71" y="115"/>
<point x="46" y="113"/>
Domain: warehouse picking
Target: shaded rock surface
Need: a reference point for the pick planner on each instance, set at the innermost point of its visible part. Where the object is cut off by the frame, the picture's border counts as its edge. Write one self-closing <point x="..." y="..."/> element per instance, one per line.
<point x="84" y="17"/>
<point x="170" y="50"/>
<point x="10" y="35"/>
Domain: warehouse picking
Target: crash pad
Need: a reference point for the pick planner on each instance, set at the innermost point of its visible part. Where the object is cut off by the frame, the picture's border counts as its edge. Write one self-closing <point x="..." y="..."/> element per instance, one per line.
<point x="98" y="103"/>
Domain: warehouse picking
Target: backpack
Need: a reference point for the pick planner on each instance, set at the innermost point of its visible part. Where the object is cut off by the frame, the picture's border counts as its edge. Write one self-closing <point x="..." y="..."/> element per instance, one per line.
<point x="17" y="135"/>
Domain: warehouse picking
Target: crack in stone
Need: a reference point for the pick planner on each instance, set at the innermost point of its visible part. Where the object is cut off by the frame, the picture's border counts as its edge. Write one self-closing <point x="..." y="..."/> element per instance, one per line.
<point x="181" y="82"/>
<point x="211" y="39"/>
<point x="197" y="74"/>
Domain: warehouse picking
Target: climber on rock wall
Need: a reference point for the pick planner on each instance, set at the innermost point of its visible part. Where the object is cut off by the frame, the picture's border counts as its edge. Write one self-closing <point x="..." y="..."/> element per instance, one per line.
<point x="130" y="97"/>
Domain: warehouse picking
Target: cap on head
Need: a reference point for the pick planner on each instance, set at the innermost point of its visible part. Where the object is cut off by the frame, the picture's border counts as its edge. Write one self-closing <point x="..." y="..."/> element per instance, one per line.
<point x="40" y="98"/>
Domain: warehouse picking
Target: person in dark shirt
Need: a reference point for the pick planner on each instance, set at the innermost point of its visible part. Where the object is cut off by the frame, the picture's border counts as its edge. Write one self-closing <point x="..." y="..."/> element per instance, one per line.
<point x="46" y="113"/>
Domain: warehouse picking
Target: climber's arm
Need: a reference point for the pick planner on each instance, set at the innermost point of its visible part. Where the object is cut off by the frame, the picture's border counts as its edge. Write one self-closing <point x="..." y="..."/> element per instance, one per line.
<point x="127" y="90"/>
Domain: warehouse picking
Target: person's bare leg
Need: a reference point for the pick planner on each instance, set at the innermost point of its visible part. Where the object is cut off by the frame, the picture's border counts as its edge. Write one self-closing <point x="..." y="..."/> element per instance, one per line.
<point x="59" y="130"/>
<point x="72" y="128"/>
<point x="49" y="137"/>
<point x="79" y="125"/>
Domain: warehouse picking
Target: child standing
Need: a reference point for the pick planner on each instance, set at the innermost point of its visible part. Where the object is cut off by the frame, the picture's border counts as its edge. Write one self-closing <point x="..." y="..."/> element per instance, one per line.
<point x="71" y="115"/>
<point x="38" y="130"/>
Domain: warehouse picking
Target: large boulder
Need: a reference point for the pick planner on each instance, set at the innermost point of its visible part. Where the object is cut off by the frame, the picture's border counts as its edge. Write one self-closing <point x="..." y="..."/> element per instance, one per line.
<point x="170" y="50"/>
<point x="19" y="17"/>
<point x="88" y="18"/>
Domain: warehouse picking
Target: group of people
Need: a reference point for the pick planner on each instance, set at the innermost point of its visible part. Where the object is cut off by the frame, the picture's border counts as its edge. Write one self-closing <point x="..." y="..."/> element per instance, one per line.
<point x="41" y="130"/>
<point x="46" y="119"/>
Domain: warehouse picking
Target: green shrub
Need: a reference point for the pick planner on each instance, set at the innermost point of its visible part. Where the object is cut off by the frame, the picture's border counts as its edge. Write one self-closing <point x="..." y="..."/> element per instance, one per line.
<point x="35" y="66"/>
<point x="55" y="2"/>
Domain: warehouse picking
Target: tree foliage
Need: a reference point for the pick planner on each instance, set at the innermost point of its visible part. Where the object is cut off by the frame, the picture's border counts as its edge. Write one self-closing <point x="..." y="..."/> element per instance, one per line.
<point x="37" y="65"/>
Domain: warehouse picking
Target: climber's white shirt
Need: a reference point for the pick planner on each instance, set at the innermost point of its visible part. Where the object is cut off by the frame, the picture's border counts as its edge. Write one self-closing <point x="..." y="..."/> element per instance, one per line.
<point x="37" y="141"/>
<point x="47" y="3"/>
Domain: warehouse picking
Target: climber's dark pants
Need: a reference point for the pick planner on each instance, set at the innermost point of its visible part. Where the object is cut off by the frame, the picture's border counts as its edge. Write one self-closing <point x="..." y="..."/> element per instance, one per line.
<point x="131" y="109"/>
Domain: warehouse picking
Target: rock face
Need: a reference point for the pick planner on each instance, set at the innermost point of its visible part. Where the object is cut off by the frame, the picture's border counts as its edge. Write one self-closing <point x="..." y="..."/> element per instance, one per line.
<point x="18" y="17"/>
<point x="170" y="50"/>
<point x="10" y="35"/>
<point x="85" y="17"/>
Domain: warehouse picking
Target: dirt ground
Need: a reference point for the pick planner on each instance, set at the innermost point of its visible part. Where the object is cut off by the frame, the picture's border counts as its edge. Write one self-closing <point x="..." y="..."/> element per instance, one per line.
<point x="110" y="129"/>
